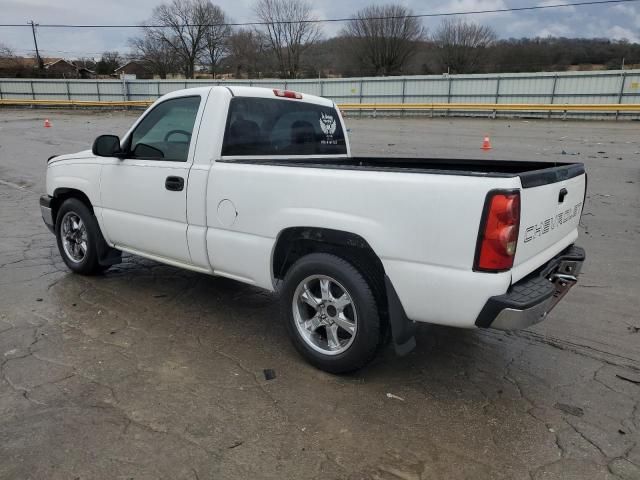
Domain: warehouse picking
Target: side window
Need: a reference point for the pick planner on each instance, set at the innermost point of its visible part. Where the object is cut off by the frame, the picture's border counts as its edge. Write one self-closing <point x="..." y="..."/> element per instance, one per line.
<point x="165" y="133"/>
<point x="263" y="126"/>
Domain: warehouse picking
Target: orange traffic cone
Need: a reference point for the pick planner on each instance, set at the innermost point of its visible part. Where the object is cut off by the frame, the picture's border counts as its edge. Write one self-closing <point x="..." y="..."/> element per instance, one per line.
<point x="486" y="143"/>
<point x="47" y="123"/>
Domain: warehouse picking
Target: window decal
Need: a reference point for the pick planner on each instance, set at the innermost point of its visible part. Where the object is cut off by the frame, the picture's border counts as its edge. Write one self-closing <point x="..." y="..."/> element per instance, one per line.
<point x="328" y="126"/>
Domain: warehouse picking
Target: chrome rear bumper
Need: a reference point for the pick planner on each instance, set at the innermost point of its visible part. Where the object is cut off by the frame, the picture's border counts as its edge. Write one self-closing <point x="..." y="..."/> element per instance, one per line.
<point x="531" y="299"/>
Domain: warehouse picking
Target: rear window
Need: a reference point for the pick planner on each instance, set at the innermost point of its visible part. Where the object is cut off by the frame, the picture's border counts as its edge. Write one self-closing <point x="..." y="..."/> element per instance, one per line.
<point x="265" y="126"/>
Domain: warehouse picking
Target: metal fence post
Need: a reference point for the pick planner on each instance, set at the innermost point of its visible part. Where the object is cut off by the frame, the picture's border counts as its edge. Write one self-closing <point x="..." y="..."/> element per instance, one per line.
<point x="623" y="77"/>
<point x="553" y="92"/>
<point x="553" y="88"/>
<point x="98" y="90"/>
<point x="125" y="93"/>
<point x="361" y="95"/>
<point x="33" y="93"/>
<point x="622" y="81"/>
<point x="66" y="84"/>
<point x="495" y="111"/>
<point x="1" y="91"/>
<point x="158" y="88"/>
<point x="404" y="90"/>
<point x="449" y="93"/>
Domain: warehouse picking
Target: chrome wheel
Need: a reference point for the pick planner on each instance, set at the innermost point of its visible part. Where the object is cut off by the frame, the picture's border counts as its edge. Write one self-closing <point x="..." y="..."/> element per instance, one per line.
<point x="325" y="314"/>
<point x="73" y="233"/>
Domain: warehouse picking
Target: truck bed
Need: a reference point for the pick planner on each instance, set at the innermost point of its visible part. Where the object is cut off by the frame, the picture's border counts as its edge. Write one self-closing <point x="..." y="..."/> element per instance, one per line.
<point x="532" y="174"/>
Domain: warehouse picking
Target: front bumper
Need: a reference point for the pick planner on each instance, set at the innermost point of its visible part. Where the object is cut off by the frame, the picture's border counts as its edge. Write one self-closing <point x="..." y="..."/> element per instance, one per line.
<point x="528" y="301"/>
<point x="45" y="210"/>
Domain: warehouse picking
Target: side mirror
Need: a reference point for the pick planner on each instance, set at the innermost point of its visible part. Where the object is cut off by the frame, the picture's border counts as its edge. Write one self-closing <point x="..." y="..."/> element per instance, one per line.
<point x="107" y="146"/>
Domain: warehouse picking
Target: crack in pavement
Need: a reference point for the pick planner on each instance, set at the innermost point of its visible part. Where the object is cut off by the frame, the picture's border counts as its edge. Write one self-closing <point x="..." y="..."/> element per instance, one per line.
<point x="577" y="348"/>
<point x="479" y="393"/>
<point x="257" y="382"/>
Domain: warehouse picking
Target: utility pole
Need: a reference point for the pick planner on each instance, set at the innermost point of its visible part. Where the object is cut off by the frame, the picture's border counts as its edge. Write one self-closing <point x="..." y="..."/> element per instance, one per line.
<point x="35" y="41"/>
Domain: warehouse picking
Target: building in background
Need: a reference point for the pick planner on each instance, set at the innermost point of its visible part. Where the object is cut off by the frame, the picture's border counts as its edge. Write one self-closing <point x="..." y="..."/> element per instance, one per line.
<point x="133" y="69"/>
<point x="27" y="67"/>
<point x="61" y="68"/>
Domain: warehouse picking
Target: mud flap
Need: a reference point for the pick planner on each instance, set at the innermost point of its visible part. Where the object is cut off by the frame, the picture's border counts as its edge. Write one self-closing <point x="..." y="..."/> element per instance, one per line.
<point x="402" y="329"/>
<point x="107" y="256"/>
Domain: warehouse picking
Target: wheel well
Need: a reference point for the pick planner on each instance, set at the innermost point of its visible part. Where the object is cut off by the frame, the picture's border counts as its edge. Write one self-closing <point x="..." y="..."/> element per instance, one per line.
<point x="62" y="194"/>
<point x="294" y="243"/>
<point x="107" y="255"/>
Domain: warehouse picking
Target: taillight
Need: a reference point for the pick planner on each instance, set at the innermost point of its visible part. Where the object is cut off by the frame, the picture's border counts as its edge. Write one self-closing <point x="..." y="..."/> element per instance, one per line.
<point x="287" y="94"/>
<point x="498" y="236"/>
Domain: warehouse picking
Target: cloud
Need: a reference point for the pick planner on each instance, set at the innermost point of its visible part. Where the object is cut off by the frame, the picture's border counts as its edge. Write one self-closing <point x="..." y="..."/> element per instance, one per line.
<point x="620" y="33"/>
<point x="553" y="30"/>
<point x="616" y="22"/>
<point x="547" y="3"/>
<point x="631" y="13"/>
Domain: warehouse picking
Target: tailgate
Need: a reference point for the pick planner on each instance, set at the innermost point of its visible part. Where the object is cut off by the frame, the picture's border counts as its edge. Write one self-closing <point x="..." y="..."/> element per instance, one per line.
<point x="551" y="205"/>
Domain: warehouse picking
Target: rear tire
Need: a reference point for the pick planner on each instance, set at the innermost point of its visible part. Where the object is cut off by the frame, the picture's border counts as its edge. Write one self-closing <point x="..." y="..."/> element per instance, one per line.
<point x="78" y="236"/>
<point x="331" y="313"/>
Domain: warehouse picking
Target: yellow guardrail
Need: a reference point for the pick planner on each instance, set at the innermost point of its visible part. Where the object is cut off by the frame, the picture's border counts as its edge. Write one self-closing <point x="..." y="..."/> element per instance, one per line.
<point x="16" y="102"/>
<point x="484" y="107"/>
<point x="498" y="107"/>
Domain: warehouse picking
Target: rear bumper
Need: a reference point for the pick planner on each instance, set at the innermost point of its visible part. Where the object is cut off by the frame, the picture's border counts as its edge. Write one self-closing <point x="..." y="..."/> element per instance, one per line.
<point x="528" y="301"/>
<point x="45" y="210"/>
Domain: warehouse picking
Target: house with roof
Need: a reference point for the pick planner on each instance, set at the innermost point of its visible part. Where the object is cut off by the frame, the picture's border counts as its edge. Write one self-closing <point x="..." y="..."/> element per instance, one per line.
<point x="133" y="69"/>
<point x="26" y="67"/>
<point x="61" y="68"/>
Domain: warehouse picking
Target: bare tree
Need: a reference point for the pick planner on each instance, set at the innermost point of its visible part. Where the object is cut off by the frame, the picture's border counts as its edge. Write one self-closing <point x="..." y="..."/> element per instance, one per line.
<point x="384" y="37"/>
<point x="288" y="29"/>
<point x="9" y="64"/>
<point x="85" y="62"/>
<point x="156" y="55"/>
<point x="183" y="25"/>
<point x="462" y="46"/>
<point x="216" y="38"/>
<point x="6" y="51"/>
<point x="245" y="52"/>
<point x="108" y="63"/>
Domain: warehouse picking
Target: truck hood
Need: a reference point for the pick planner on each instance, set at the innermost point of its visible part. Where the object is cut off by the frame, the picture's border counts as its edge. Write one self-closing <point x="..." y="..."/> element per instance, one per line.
<point x="72" y="156"/>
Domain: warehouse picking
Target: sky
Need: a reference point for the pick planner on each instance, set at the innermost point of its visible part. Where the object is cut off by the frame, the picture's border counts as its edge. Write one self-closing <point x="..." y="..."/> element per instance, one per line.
<point x="603" y="21"/>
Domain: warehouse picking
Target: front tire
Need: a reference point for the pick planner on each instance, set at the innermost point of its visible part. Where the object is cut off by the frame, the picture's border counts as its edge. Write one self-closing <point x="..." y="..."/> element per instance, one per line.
<point x="77" y="235"/>
<point x="331" y="313"/>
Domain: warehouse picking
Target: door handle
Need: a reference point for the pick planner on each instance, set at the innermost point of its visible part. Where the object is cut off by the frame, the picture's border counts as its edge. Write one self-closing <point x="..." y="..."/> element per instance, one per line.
<point x="174" y="184"/>
<point x="562" y="194"/>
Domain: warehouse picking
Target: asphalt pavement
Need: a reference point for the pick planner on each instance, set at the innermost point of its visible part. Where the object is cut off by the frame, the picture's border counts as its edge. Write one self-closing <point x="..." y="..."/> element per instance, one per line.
<point x="152" y="372"/>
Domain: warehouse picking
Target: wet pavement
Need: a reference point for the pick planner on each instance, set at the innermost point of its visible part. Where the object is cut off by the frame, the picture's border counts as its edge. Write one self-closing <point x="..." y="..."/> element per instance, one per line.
<point x="152" y="372"/>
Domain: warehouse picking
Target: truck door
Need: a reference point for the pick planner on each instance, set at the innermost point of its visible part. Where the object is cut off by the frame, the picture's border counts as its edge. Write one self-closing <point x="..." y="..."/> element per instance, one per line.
<point x="144" y="195"/>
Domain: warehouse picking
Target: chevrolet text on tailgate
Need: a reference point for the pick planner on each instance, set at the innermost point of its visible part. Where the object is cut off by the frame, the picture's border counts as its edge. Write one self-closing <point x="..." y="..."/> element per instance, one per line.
<point x="259" y="186"/>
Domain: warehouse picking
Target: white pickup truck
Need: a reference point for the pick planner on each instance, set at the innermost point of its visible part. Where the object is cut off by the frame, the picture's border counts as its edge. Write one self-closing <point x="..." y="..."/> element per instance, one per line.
<point x="259" y="186"/>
